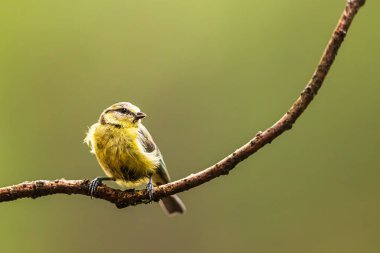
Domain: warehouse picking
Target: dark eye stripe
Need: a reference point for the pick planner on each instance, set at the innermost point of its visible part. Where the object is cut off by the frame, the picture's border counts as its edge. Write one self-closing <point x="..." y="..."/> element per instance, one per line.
<point x="123" y="110"/>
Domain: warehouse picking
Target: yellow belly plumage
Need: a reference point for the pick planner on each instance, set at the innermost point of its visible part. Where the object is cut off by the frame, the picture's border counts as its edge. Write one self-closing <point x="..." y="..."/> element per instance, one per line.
<point x="120" y="154"/>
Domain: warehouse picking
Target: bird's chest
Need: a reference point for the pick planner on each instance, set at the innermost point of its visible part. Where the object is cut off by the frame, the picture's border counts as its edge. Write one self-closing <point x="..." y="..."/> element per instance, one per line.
<point x="119" y="152"/>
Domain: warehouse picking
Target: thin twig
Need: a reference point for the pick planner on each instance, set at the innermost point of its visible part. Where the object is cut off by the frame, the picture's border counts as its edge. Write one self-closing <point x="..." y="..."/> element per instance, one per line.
<point x="126" y="198"/>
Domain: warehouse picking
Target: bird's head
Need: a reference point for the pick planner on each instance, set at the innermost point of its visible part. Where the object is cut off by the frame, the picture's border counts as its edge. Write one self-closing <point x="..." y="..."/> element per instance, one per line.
<point x="122" y="114"/>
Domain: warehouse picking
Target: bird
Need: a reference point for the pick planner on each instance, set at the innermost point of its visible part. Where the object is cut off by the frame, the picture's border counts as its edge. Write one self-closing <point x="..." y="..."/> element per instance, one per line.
<point x="128" y="155"/>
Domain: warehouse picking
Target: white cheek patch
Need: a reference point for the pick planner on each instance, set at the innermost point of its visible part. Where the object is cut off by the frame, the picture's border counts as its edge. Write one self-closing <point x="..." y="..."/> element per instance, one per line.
<point x="110" y="119"/>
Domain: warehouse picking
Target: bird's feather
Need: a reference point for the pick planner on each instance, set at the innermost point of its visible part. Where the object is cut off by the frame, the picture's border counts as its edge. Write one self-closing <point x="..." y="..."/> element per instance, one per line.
<point x="150" y="147"/>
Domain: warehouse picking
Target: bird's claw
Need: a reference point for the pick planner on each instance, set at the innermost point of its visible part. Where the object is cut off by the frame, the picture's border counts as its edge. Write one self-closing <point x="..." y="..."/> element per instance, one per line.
<point x="93" y="185"/>
<point x="149" y="188"/>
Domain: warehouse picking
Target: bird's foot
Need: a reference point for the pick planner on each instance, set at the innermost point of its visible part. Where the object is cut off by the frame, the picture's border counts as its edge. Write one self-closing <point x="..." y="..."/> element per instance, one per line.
<point x="95" y="183"/>
<point x="150" y="190"/>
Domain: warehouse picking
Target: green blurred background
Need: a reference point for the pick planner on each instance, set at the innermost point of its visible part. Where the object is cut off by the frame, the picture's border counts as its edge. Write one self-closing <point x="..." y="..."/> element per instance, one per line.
<point x="209" y="74"/>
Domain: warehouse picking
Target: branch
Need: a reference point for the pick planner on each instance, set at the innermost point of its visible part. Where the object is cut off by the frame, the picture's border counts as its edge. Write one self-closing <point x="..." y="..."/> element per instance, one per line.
<point x="126" y="198"/>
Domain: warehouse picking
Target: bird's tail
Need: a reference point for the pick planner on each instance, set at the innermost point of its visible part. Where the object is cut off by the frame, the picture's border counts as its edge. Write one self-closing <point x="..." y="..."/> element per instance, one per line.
<point x="172" y="205"/>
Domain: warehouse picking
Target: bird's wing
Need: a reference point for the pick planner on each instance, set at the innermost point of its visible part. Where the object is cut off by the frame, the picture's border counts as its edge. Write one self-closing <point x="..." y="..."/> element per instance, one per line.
<point x="147" y="141"/>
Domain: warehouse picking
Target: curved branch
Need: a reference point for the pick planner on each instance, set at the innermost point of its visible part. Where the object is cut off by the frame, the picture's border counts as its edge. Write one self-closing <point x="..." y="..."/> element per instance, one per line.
<point x="126" y="198"/>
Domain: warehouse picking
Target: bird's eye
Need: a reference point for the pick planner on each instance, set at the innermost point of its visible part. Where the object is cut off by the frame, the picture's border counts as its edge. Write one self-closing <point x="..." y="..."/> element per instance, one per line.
<point x="123" y="110"/>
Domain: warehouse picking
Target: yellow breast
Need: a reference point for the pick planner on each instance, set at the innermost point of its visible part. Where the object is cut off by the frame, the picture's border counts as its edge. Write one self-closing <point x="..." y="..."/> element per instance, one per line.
<point x="120" y="155"/>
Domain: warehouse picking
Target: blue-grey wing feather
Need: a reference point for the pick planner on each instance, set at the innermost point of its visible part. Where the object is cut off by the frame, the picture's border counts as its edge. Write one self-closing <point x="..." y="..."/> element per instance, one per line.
<point x="147" y="141"/>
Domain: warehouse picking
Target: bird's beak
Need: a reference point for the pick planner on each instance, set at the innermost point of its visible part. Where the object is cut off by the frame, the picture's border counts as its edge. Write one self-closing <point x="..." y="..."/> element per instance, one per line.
<point x="140" y="115"/>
